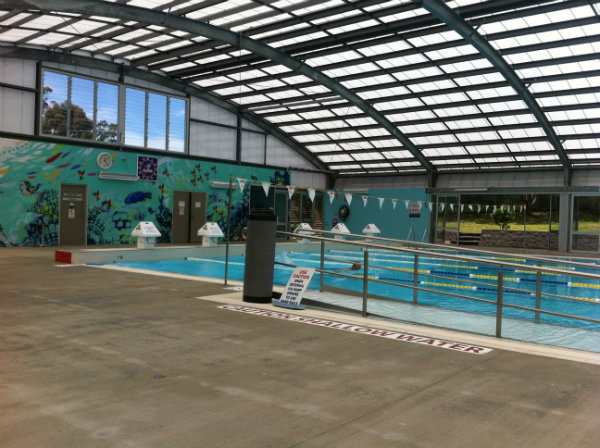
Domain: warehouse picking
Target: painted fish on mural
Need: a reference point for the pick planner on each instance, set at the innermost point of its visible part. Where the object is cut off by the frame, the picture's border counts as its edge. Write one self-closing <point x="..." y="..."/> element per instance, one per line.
<point x="27" y="189"/>
<point x="137" y="196"/>
<point x="53" y="158"/>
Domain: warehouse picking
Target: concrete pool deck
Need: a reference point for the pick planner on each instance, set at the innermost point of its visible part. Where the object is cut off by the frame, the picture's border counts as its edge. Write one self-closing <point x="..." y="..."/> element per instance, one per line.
<point x="101" y="358"/>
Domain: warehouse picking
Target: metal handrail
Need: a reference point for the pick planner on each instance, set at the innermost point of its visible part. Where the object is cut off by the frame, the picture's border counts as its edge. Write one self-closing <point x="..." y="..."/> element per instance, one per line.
<point x="462" y="249"/>
<point x="500" y="278"/>
<point x="451" y="256"/>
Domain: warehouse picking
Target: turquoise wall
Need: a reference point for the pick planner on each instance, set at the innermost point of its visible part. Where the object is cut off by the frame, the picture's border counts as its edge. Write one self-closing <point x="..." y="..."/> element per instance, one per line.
<point x="31" y="173"/>
<point x="393" y="223"/>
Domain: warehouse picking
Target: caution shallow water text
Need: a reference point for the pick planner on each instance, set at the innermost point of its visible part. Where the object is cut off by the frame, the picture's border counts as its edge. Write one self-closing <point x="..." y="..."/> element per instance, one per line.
<point x="394" y="335"/>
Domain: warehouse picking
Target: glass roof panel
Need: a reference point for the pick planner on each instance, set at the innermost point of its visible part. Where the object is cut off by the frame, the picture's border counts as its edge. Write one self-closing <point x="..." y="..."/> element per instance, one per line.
<point x="443" y="151"/>
<point x="15" y="35"/>
<point x="14" y="19"/>
<point x="336" y="158"/>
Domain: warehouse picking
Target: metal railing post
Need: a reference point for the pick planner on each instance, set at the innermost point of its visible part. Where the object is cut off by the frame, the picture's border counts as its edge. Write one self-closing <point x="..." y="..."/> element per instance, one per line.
<point x="416" y="278"/>
<point x="499" y="303"/>
<point x="321" y="274"/>
<point x="365" y="281"/>
<point x="538" y="295"/>
<point x="228" y="231"/>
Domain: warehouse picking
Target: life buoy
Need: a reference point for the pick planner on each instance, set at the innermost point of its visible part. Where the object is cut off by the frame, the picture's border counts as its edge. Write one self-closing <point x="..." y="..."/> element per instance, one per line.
<point x="344" y="212"/>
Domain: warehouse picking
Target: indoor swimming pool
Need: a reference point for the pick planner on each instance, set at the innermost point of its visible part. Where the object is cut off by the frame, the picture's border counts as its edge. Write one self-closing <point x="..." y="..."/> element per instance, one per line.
<point x="450" y="276"/>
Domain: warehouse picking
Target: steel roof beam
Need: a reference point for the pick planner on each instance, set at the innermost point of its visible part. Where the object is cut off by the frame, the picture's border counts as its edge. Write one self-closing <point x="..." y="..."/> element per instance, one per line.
<point x="455" y="21"/>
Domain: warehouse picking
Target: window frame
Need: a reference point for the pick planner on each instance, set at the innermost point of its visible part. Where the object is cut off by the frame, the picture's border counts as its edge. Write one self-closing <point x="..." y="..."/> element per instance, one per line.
<point x="120" y="115"/>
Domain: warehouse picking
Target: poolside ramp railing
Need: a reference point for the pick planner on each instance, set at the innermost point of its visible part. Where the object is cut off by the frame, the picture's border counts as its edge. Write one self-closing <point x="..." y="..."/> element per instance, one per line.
<point x="439" y="251"/>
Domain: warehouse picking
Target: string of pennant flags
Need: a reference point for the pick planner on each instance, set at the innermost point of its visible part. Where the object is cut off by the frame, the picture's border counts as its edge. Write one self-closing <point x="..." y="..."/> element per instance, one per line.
<point x="407" y="202"/>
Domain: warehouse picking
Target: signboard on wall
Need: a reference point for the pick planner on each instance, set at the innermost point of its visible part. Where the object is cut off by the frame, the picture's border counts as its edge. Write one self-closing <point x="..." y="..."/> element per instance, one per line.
<point x="414" y="210"/>
<point x="147" y="168"/>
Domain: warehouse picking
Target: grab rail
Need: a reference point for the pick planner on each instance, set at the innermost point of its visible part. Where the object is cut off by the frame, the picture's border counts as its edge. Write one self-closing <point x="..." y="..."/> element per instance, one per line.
<point x="499" y="302"/>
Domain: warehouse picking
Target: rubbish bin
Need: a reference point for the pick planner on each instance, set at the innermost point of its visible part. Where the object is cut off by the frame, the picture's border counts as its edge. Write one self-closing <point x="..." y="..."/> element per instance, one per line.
<point x="260" y="256"/>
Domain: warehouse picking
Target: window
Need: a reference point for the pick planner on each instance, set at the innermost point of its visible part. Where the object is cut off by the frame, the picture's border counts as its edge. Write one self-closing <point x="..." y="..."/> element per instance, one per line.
<point x="154" y="121"/>
<point x="88" y="109"/>
<point x="79" y="108"/>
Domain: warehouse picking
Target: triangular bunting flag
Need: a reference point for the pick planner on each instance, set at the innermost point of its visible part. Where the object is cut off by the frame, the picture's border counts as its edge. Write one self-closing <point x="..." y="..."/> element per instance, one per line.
<point x="311" y="194"/>
<point x="394" y="201"/>
<point x="478" y="208"/>
<point x="430" y="205"/>
<point x="381" y="202"/>
<point x="331" y="196"/>
<point x="487" y="208"/>
<point x="451" y="207"/>
<point x="242" y="183"/>
<point x="365" y="200"/>
<point x="462" y="207"/>
<point x="266" y="186"/>
<point x="442" y="206"/>
<point x="291" y="191"/>
<point x="406" y="203"/>
<point x="470" y="207"/>
<point x="348" y="197"/>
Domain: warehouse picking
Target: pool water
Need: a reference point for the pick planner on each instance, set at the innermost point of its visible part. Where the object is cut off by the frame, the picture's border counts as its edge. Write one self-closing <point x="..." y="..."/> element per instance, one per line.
<point x="398" y="267"/>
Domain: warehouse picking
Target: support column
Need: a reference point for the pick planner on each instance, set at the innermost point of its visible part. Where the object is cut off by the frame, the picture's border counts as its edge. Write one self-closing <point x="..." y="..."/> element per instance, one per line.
<point x="566" y="220"/>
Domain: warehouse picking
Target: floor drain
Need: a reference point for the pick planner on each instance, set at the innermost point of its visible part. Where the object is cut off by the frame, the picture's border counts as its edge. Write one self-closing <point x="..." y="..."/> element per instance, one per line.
<point x="158" y="377"/>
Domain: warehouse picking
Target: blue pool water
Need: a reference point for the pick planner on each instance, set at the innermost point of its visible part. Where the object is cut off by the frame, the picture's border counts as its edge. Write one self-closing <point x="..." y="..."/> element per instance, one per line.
<point x="398" y="267"/>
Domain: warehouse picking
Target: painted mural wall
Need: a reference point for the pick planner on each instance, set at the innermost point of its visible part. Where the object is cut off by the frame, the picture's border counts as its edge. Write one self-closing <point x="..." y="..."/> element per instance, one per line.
<point x="411" y="210"/>
<point x="31" y="173"/>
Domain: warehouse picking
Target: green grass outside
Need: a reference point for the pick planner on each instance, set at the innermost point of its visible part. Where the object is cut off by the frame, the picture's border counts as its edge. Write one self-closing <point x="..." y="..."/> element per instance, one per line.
<point x="471" y="223"/>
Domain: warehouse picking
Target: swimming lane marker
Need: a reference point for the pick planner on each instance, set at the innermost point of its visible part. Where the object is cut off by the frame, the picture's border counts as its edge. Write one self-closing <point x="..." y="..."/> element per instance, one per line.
<point x="466" y="348"/>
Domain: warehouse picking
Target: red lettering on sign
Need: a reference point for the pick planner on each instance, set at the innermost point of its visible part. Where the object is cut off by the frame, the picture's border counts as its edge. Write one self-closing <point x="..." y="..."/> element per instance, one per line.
<point x="382" y="333"/>
<point x="474" y="349"/>
<point x="407" y="337"/>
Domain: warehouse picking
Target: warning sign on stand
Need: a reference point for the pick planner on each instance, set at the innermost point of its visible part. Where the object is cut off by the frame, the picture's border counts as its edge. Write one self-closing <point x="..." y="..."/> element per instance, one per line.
<point x="294" y="290"/>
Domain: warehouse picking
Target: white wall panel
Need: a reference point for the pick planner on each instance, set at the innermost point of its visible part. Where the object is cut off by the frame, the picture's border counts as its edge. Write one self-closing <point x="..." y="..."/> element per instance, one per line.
<point x="309" y="180"/>
<point x="102" y="75"/>
<point x="202" y="110"/>
<point x="250" y="126"/>
<point x="280" y="154"/>
<point x="253" y="147"/>
<point x="19" y="72"/>
<point x="502" y="180"/>
<point x="17" y="111"/>
<point x="212" y="141"/>
<point x="586" y="178"/>
<point x="382" y="182"/>
<point x="143" y="84"/>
